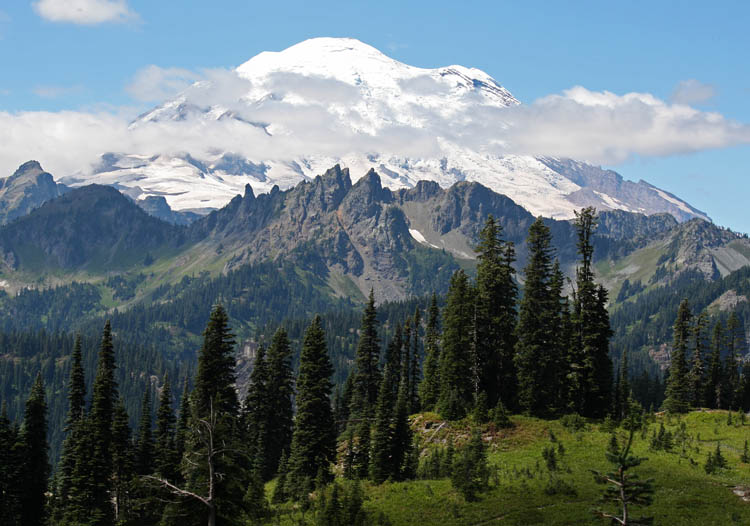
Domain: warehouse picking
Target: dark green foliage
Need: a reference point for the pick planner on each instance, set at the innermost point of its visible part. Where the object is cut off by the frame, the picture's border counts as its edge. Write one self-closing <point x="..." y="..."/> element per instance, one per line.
<point x="662" y="440"/>
<point x="166" y="461"/>
<point x="279" y="492"/>
<point x="100" y="466"/>
<point x="499" y="417"/>
<point x="144" y="445"/>
<point x="539" y="353"/>
<point x="402" y="435"/>
<point x="36" y="469"/>
<point x="381" y="466"/>
<point x="215" y="378"/>
<point x="281" y="380"/>
<point x="314" y="439"/>
<point x="429" y="388"/>
<point x="470" y="473"/>
<point x="456" y="360"/>
<point x="495" y="315"/>
<point x="256" y="413"/>
<point x="256" y="505"/>
<point x="124" y="462"/>
<point x="367" y="374"/>
<point x="624" y="489"/>
<point x="10" y="471"/>
<point x="678" y="393"/>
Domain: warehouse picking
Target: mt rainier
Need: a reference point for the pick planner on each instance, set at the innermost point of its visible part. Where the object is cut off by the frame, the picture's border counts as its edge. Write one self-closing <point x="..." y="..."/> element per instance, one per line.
<point x="283" y="117"/>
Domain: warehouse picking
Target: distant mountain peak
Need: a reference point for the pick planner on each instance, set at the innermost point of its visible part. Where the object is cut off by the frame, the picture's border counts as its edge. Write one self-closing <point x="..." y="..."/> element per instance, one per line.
<point x="374" y="112"/>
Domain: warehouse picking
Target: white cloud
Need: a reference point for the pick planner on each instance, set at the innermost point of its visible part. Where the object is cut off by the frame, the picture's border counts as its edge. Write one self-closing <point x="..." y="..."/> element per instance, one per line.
<point x="85" y="12"/>
<point x="322" y="116"/>
<point x="153" y="83"/>
<point x="692" y="91"/>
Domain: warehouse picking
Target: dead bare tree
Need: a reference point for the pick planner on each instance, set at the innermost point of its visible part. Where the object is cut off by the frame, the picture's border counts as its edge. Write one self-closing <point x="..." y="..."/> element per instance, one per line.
<point x="203" y="457"/>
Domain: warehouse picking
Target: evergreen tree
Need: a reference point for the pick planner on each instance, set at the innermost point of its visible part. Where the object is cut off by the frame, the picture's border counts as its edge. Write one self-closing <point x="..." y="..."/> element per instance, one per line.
<point x="402" y="436"/>
<point x="381" y="465"/>
<point x="414" y="380"/>
<point x="76" y="408"/>
<point x="216" y="378"/>
<point x="256" y="412"/>
<point x="678" y="393"/>
<point x="166" y="459"/>
<point x="538" y="353"/>
<point x="456" y="360"/>
<point x="731" y="381"/>
<point x="36" y="469"/>
<point x="101" y="511"/>
<point x="697" y="374"/>
<point x="281" y="380"/>
<point x="314" y="440"/>
<point x="214" y="466"/>
<point x="429" y="387"/>
<point x="624" y="489"/>
<point x="622" y="391"/>
<point x="124" y="461"/>
<point x="144" y="446"/>
<point x="496" y="315"/>
<point x="591" y="324"/>
<point x="10" y="471"/>
<point x="367" y="375"/>
<point x="182" y="424"/>
<point x="470" y="471"/>
<point x="712" y="395"/>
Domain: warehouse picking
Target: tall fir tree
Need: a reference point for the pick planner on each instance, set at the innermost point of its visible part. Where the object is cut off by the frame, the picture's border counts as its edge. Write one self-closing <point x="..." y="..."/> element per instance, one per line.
<point x="215" y="469"/>
<point x="734" y="343"/>
<point x="496" y="315"/>
<point x="36" y="468"/>
<point x="402" y="436"/>
<point x="429" y="387"/>
<point x="256" y="411"/>
<point x="538" y="357"/>
<point x="124" y="460"/>
<point x="414" y="403"/>
<point x="456" y="359"/>
<point x="713" y="389"/>
<point x="367" y="374"/>
<point x="216" y="377"/>
<point x="144" y="445"/>
<point x="382" y="439"/>
<point x="591" y="324"/>
<point x="76" y="412"/>
<point x="697" y="374"/>
<point x="281" y="378"/>
<point x="678" y="393"/>
<point x="10" y="471"/>
<point x="101" y="510"/>
<point x="166" y="461"/>
<point x="314" y="439"/>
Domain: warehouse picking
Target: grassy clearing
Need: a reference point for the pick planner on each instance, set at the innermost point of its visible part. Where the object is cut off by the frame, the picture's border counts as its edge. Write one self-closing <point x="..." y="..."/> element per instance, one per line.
<point x="685" y="494"/>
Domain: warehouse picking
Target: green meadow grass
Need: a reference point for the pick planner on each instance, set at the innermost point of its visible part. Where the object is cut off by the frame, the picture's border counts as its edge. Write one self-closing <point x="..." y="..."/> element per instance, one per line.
<point x="685" y="494"/>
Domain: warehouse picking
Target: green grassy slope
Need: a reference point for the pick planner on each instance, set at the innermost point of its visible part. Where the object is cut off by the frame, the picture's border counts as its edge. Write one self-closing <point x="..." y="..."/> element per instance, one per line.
<point x="685" y="494"/>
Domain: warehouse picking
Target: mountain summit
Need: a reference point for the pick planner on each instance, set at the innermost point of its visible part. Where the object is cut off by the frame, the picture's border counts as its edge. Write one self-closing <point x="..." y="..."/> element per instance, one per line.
<point x="282" y="117"/>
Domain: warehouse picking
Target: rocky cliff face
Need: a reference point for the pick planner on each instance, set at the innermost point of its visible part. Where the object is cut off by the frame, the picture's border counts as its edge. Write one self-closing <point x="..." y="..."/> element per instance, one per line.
<point x="27" y="189"/>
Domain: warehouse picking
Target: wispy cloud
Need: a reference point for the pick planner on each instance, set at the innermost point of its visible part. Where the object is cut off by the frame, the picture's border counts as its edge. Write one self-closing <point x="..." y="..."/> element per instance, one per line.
<point x="153" y="83"/>
<point x="4" y="21"/>
<point x="692" y="91"/>
<point x="85" y="12"/>
<point x="55" y="92"/>
<point x="291" y="116"/>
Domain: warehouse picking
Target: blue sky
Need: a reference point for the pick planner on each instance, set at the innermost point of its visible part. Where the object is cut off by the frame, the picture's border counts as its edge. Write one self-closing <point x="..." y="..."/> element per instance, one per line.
<point x="535" y="49"/>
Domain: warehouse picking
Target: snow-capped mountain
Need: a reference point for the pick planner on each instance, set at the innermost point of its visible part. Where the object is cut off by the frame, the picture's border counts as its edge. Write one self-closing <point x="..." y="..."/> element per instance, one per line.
<point x="282" y="117"/>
